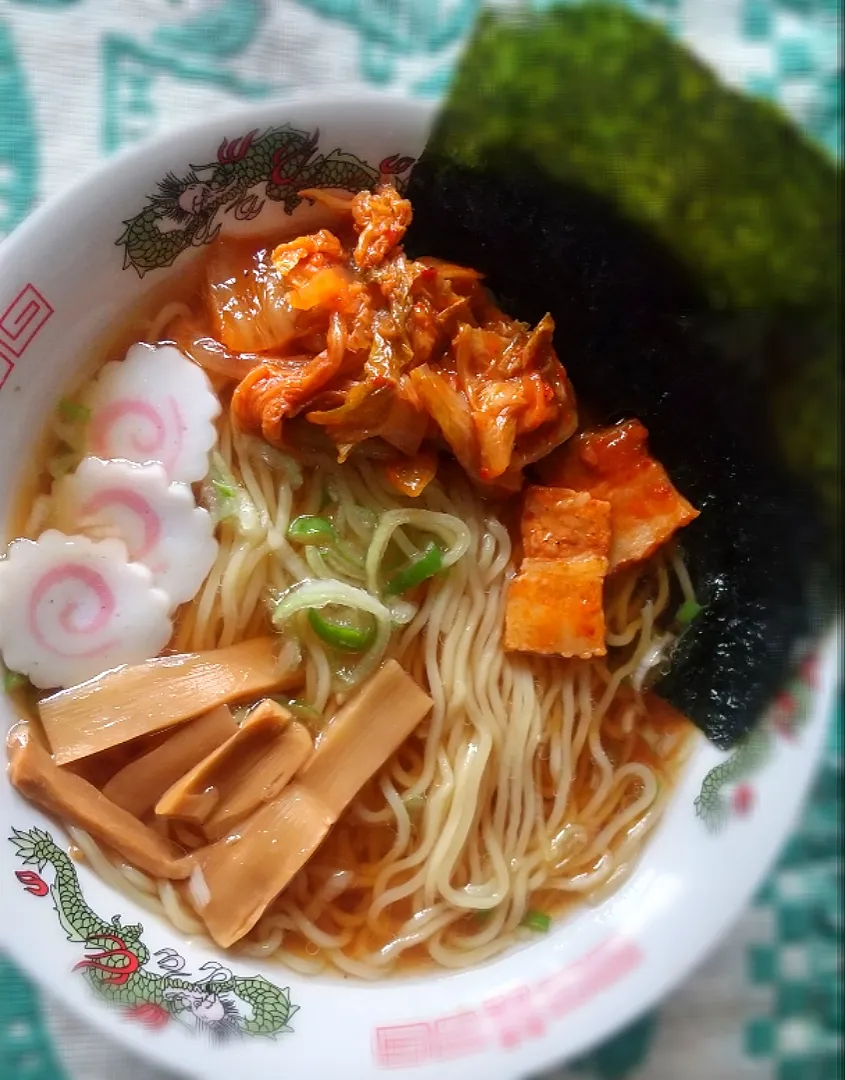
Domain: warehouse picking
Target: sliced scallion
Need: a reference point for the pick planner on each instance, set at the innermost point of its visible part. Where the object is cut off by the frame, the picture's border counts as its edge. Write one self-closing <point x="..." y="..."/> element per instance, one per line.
<point x="414" y="804"/>
<point x="401" y="611"/>
<point x="450" y="530"/>
<point x="227" y="500"/>
<point x="307" y="595"/>
<point x="538" y="921"/>
<point x="423" y="566"/>
<point x="224" y="490"/>
<point x="73" y="412"/>
<point x="311" y="529"/>
<point x="342" y="634"/>
<point x="300" y="709"/>
<point x="689" y="610"/>
<point x="13" y="680"/>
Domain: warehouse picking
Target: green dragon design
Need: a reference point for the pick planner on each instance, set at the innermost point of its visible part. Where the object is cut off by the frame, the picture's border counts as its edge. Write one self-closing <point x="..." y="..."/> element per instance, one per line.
<point x="789" y="712"/>
<point x="710" y="804"/>
<point x="249" y="170"/>
<point x="219" y="1004"/>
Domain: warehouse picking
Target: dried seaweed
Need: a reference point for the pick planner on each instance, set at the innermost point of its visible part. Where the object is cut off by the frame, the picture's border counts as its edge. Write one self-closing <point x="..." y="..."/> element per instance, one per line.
<point x="592" y="168"/>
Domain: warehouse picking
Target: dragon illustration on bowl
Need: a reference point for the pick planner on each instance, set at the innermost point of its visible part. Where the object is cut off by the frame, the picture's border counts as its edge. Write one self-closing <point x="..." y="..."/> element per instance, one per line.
<point x="116" y="963"/>
<point x="249" y="171"/>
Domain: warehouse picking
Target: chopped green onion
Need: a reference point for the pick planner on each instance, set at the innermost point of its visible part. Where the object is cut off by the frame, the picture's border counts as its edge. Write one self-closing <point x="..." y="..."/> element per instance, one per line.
<point x="306" y="595"/>
<point x="450" y="530"/>
<point x="423" y="566"/>
<point x="414" y="804"/>
<point x="226" y="500"/>
<point x="689" y="610"/>
<point x="310" y="529"/>
<point x="13" y="680"/>
<point x="538" y="921"/>
<point x="342" y="635"/>
<point x="73" y="412"/>
<point x="224" y="490"/>
<point x="61" y="464"/>
<point x="483" y="915"/>
<point x="300" y="709"/>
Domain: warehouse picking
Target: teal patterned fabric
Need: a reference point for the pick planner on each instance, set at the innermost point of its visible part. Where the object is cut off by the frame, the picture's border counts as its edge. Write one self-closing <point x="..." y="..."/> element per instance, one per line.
<point x="769" y="1005"/>
<point x="25" y="1049"/>
<point x="18" y="145"/>
<point x="229" y="51"/>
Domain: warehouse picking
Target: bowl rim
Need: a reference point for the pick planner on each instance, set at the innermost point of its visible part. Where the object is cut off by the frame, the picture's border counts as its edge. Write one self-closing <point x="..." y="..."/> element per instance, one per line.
<point x="541" y="1052"/>
<point x="235" y="116"/>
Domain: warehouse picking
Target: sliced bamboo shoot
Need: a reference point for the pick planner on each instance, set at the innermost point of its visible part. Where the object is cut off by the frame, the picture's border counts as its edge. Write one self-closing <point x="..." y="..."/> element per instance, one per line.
<point x="140" y="784"/>
<point x="198" y="807"/>
<point x="363" y="734"/>
<point x="132" y="701"/>
<point x="249" y="769"/>
<point x="246" y="871"/>
<point x="36" y="776"/>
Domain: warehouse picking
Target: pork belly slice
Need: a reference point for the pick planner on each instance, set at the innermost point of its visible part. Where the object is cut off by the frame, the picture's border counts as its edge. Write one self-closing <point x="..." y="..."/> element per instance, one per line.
<point x="614" y="464"/>
<point x="555" y="607"/>
<point x="554" y="604"/>
<point x="558" y="523"/>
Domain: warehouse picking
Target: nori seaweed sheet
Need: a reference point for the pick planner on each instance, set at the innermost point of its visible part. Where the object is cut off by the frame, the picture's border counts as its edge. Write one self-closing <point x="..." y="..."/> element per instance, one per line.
<point x="598" y="95"/>
<point x="644" y="332"/>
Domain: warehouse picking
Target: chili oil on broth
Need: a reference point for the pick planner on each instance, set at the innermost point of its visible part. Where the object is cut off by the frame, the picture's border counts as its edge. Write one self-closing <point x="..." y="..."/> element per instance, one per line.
<point x="529" y="789"/>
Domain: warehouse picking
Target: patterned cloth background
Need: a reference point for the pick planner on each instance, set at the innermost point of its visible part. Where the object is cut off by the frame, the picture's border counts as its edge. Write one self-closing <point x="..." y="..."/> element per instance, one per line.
<point x="79" y="79"/>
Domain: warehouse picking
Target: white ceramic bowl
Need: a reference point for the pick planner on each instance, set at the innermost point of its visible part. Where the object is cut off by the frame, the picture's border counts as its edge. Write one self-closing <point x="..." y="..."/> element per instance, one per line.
<point x="64" y="277"/>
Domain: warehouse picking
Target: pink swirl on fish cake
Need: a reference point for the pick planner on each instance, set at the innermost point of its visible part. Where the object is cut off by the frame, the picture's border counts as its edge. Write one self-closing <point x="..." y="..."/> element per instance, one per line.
<point x="148" y="446"/>
<point x="89" y="579"/>
<point x="139" y="506"/>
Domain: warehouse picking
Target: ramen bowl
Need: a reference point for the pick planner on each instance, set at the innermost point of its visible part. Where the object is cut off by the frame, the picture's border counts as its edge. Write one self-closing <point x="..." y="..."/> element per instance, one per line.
<point x="67" y="275"/>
